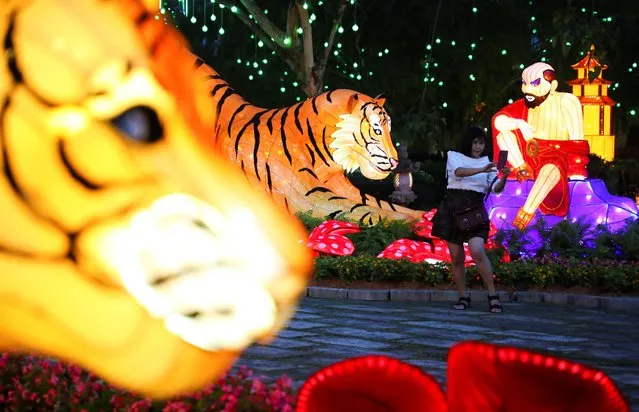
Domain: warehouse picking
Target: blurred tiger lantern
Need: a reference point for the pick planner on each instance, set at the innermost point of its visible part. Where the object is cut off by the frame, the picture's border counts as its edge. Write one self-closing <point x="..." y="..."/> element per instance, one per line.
<point x="124" y="241"/>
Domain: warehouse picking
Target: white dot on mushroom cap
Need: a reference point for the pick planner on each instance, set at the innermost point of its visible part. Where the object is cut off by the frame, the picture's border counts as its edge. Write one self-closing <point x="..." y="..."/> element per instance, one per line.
<point x="322" y="246"/>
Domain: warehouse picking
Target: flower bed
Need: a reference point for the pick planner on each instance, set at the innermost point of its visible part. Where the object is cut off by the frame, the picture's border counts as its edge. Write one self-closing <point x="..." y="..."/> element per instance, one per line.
<point x="29" y="383"/>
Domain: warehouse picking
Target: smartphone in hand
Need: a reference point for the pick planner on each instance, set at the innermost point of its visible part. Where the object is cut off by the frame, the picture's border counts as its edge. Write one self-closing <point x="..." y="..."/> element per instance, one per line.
<point x="503" y="158"/>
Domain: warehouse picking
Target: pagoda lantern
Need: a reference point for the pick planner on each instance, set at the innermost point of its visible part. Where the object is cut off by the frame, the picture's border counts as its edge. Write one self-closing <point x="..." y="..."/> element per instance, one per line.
<point x="592" y="90"/>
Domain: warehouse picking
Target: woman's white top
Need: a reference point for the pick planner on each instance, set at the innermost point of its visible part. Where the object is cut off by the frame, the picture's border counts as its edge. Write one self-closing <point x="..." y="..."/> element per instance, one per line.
<point x="478" y="182"/>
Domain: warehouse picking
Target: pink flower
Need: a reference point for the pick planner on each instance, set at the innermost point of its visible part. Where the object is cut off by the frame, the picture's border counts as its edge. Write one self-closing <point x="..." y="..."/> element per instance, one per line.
<point x="80" y="387"/>
<point x="257" y="387"/>
<point x="176" y="407"/>
<point x="50" y="397"/>
<point x="4" y="359"/>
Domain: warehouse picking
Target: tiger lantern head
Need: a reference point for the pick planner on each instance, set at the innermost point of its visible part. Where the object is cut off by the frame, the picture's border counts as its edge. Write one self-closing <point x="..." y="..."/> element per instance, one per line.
<point x="362" y="138"/>
<point x="126" y="247"/>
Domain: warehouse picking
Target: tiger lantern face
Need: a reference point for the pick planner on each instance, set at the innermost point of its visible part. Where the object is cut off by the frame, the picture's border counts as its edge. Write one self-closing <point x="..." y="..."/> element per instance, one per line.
<point x="363" y="138"/>
<point x="126" y="247"/>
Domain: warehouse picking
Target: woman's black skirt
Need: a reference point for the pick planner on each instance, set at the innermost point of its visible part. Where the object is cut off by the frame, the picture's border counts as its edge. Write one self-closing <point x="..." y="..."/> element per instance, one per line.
<point x="444" y="222"/>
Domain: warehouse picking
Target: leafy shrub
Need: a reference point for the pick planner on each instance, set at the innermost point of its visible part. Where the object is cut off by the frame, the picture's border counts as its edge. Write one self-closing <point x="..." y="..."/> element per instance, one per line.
<point x="604" y="274"/>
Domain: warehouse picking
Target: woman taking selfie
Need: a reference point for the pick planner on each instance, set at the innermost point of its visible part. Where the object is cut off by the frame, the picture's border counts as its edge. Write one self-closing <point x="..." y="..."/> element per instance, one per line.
<point x="462" y="216"/>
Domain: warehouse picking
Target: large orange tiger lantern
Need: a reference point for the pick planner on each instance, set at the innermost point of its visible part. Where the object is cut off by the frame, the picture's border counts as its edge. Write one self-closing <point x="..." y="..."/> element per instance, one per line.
<point x="125" y="247"/>
<point x="298" y="154"/>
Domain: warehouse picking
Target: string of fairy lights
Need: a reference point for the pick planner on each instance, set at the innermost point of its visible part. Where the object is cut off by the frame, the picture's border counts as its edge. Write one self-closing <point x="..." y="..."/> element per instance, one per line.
<point x="209" y="16"/>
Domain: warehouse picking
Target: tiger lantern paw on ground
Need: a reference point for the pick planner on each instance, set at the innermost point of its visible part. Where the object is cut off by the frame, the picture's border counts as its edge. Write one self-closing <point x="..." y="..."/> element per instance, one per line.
<point x="298" y="154"/>
<point x="124" y="240"/>
<point x="480" y="378"/>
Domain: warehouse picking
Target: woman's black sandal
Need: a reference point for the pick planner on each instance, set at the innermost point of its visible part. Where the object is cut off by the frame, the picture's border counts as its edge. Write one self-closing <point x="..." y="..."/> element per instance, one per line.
<point x="494" y="305"/>
<point x="462" y="303"/>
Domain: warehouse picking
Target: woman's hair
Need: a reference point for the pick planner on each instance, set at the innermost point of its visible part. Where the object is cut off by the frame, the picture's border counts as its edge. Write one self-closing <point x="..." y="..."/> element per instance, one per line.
<point x="472" y="133"/>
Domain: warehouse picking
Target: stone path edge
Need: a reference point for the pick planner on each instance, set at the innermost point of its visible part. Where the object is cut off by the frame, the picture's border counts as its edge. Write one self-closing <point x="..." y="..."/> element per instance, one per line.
<point x="622" y="303"/>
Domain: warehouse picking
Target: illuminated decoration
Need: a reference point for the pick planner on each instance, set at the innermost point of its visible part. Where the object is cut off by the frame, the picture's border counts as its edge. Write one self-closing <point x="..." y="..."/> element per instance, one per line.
<point x="480" y="377"/>
<point x="403" y="178"/>
<point x="554" y="154"/>
<point x="328" y="238"/>
<point x="127" y="248"/>
<point x="592" y="90"/>
<point x="590" y="203"/>
<point x="434" y="250"/>
<point x="543" y="134"/>
<point x="298" y="154"/>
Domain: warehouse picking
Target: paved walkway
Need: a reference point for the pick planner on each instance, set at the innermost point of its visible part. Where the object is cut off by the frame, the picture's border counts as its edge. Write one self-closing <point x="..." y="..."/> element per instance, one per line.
<point x="326" y="331"/>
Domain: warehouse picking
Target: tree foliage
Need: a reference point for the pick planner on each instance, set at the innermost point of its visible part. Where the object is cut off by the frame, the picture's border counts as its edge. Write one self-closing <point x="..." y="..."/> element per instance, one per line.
<point x="442" y="64"/>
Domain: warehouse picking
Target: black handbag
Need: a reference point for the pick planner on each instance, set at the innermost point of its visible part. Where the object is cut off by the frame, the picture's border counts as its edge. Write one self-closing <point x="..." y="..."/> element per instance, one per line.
<point x="473" y="217"/>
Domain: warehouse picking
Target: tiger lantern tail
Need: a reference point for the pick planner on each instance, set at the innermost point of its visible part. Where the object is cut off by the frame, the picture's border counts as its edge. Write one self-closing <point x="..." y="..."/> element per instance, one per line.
<point x="299" y="154"/>
<point x="127" y="247"/>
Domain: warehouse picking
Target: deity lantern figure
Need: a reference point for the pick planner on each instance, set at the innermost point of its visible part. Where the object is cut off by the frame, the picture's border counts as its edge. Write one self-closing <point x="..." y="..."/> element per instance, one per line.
<point x="544" y="136"/>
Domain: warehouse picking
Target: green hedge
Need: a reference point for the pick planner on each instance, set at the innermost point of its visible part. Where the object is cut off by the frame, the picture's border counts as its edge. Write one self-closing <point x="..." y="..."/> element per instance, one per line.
<point x="573" y="254"/>
<point x="602" y="275"/>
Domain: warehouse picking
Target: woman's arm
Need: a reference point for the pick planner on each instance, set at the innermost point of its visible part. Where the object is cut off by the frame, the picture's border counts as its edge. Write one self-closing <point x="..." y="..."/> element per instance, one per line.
<point x="501" y="183"/>
<point x="471" y="171"/>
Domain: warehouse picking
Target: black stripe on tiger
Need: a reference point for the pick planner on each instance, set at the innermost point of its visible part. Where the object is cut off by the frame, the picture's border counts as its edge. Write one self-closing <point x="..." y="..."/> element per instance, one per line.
<point x="356" y="137"/>
<point x="309" y="171"/>
<point x="142" y="17"/>
<point x="363" y="195"/>
<point x="253" y="121"/>
<point x="269" y="181"/>
<point x="379" y="202"/>
<point x="314" y="142"/>
<point x="71" y="255"/>
<point x="356" y="206"/>
<point x="256" y="147"/>
<point x="8" y="171"/>
<point x="12" y="62"/>
<point x="328" y="152"/>
<point x="310" y="151"/>
<point x="314" y="105"/>
<point x="334" y="214"/>
<point x="269" y="122"/>
<point x="296" y="112"/>
<point x="361" y="219"/>
<point x="232" y="120"/>
<point x="86" y="183"/>
<point x="198" y="63"/>
<point x="283" y="135"/>
<point x="217" y="87"/>
<point x="336" y="198"/>
<point x="319" y="189"/>
<point x="227" y="93"/>
<point x="286" y="204"/>
<point x="328" y="96"/>
<point x="5" y="154"/>
<point x="392" y="206"/>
